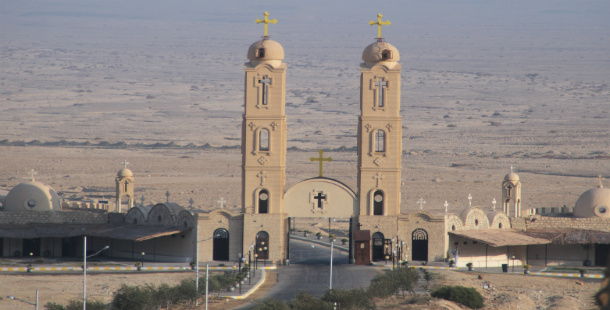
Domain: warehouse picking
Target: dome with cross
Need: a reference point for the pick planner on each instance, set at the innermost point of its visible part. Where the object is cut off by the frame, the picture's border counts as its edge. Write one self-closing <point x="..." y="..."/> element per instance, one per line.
<point x="511" y="177"/>
<point x="593" y="203"/>
<point x="32" y="196"/>
<point x="380" y="51"/>
<point x="266" y="51"/>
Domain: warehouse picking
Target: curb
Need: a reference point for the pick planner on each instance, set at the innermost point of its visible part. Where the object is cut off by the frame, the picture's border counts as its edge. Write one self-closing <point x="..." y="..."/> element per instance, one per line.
<point x="251" y="290"/>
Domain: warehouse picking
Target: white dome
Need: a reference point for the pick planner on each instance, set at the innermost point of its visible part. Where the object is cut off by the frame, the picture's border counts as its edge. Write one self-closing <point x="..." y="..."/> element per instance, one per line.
<point x="32" y="196"/>
<point x="380" y="51"/>
<point x="513" y="177"/>
<point x="593" y="203"/>
<point x="266" y="51"/>
<point x="124" y="173"/>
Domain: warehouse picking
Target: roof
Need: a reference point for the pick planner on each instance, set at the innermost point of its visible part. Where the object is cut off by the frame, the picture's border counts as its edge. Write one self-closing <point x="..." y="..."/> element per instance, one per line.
<point x="500" y="237"/>
<point x="571" y="236"/>
<point x="124" y="232"/>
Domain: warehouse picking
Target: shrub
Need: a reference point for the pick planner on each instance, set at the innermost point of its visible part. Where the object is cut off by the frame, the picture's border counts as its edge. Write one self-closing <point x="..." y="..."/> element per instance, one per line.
<point x="393" y="281"/>
<point x="133" y="298"/>
<point x="304" y="301"/>
<point x="77" y="305"/>
<point x="271" y="304"/>
<point x="356" y="298"/>
<point x="466" y="296"/>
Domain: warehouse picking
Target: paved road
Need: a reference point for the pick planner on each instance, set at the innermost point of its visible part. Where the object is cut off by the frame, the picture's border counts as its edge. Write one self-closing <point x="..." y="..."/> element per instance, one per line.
<point x="309" y="271"/>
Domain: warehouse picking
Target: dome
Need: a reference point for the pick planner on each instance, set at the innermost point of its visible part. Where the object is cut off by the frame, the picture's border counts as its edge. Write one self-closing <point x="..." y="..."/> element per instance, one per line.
<point x="265" y="50"/>
<point x="593" y="203"/>
<point x="32" y="196"/>
<point x="513" y="177"/>
<point x="123" y="173"/>
<point x="380" y="51"/>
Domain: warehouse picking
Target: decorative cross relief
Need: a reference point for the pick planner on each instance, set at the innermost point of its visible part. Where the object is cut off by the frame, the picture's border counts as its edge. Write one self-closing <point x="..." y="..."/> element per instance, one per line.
<point x="378" y="161"/>
<point x="446" y="206"/>
<point x="469" y="200"/>
<point x="273" y="125"/>
<point x="368" y="127"/>
<point x="421" y="202"/>
<point x="222" y="202"/>
<point x="379" y="88"/>
<point x="32" y="174"/>
<point x="263" y="90"/>
<point x="378" y="177"/>
<point x="389" y="127"/>
<point x="262" y="175"/>
<point x="319" y="201"/>
<point x="494" y="203"/>
<point x="252" y="126"/>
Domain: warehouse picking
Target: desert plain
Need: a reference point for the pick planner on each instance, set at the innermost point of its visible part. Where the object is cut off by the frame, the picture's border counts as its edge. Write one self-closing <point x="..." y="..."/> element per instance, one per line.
<point x="85" y="86"/>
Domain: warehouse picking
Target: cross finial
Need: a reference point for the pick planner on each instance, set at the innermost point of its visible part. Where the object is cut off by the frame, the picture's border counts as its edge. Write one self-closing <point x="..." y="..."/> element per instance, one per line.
<point x="320" y="159"/>
<point x="125" y="163"/>
<point x="421" y="202"/>
<point x="167" y="194"/>
<point x="379" y="23"/>
<point x="446" y="206"/>
<point x="494" y="203"/>
<point x="191" y="202"/>
<point x="599" y="178"/>
<point x="266" y="21"/>
<point x="512" y="168"/>
<point x="222" y="202"/>
<point x="142" y="199"/>
<point x="32" y="174"/>
<point x="469" y="200"/>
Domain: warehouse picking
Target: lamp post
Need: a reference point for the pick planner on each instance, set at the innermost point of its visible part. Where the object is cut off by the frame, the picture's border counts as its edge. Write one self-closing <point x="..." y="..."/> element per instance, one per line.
<point x="25" y="301"/>
<point x="332" y="244"/>
<point x="143" y="253"/>
<point x="85" y="268"/>
<point x="197" y="274"/>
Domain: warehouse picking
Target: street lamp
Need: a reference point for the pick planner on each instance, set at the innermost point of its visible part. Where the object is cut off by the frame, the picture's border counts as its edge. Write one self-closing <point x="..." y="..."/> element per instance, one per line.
<point x="85" y="268"/>
<point x="143" y="253"/>
<point x="207" y="274"/>
<point x="25" y="301"/>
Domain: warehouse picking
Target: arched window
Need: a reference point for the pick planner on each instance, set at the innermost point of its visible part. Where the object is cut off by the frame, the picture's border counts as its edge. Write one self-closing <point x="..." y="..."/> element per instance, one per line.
<point x="263" y="140"/>
<point x="221" y="244"/>
<point x="263" y="201"/>
<point x="386" y="54"/>
<point x="380" y="141"/>
<point x="378" y="203"/>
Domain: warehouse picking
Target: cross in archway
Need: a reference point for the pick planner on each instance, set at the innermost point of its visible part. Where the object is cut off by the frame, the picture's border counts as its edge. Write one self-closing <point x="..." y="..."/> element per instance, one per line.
<point x="266" y="21"/>
<point x="319" y="198"/>
<point x="381" y="84"/>
<point x="320" y="159"/>
<point x="378" y="177"/>
<point x="125" y="163"/>
<point x="379" y="23"/>
<point x="421" y="202"/>
<point x="222" y="202"/>
<point x="266" y="81"/>
<point x="32" y="174"/>
<point x="262" y="175"/>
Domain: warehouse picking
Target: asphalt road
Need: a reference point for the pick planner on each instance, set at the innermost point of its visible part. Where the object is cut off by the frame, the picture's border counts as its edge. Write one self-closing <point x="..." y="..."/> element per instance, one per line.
<point x="309" y="271"/>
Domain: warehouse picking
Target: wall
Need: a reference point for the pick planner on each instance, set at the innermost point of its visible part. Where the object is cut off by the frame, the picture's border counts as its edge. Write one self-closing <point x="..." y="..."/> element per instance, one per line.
<point x="52" y="217"/>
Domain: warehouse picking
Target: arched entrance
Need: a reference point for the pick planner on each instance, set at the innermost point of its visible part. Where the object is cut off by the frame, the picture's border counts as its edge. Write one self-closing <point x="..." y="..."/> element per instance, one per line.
<point x="221" y="245"/>
<point x="419" y="246"/>
<point x="378" y="247"/>
<point x="262" y="245"/>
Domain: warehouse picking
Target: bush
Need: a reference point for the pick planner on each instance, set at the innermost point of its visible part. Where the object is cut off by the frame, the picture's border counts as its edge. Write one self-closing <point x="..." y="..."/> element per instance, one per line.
<point x="356" y="298"/>
<point x="271" y="304"/>
<point x="466" y="296"/>
<point x="304" y="301"/>
<point x="393" y="281"/>
<point x="77" y="305"/>
<point x="134" y="298"/>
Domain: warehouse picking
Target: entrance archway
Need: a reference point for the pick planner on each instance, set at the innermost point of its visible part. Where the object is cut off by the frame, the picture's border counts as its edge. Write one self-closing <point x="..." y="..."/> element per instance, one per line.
<point x="262" y="245"/>
<point x="221" y="245"/>
<point x="378" y="247"/>
<point x="419" y="246"/>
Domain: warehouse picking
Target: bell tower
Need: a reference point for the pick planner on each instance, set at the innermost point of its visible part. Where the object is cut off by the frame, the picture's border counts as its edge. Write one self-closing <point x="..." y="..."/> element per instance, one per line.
<point x="124" y="187"/>
<point x="511" y="194"/>
<point x="379" y="129"/>
<point x="264" y="150"/>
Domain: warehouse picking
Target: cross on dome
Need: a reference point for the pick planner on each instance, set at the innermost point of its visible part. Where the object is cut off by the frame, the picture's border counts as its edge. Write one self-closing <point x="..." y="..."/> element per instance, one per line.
<point x="125" y="163"/>
<point x="379" y="23"/>
<point x="469" y="200"/>
<point x="266" y="21"/>
<point x="33" y="173"/>
<point x="446" y="206"/>
<point x="222" y="202"/>
<point x="512" y="168"/>
<point x="599" y="179"/>
<point x="494" y="203"/>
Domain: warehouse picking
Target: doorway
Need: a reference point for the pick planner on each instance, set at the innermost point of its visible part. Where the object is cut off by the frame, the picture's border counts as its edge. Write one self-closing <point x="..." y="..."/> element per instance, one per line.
<point x="419" y="245"/>
<point x="221" y="245"/>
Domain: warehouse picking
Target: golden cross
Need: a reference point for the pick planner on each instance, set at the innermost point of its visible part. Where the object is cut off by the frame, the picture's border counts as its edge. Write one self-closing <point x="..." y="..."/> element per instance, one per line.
<point x="266" y="21"/>
<point x="379" y="23"/>
<point x="320" y="159"/>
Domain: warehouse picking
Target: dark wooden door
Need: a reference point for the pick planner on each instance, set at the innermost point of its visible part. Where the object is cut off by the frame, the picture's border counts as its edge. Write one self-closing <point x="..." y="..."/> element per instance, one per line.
<point x="602" y="253"/>
<point x="363" y="252"/>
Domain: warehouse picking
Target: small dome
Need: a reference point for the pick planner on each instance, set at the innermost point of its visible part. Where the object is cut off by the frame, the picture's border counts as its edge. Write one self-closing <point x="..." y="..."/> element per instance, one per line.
<point x="513" y="177"/>
<point x="265" y="50"/>
<point x="593" y="203"/>
<point x="32" y="196"/>
<point x="380" y="51"/>
<point x="123" y="173"/>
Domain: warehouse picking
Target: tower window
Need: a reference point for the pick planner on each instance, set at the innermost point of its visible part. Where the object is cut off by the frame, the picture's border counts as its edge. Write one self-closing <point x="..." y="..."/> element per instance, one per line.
<point x="386" y="54"/>
<point x="260" y="53"/>
<point x="380" y="141"/>
<point x="263" y="140"/>
<point x="263" y="202"/>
